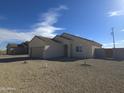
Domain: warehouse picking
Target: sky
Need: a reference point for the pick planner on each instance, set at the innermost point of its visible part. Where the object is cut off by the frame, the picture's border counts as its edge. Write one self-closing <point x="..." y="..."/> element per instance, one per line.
<point x="20" y="20"/>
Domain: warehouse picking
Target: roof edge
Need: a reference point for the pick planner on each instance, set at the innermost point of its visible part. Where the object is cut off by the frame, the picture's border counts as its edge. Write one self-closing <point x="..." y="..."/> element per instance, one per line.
<point x="82" y="38"/>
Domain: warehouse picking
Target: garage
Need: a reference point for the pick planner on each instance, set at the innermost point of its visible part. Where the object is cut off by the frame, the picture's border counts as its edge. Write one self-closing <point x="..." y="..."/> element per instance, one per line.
<point x="36" y="52"/>
<point x="45" y="48"/>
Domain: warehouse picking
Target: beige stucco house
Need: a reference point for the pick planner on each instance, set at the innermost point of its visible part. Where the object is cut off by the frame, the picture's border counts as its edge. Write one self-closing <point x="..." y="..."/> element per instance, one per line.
<point x="42" y="47"/>
<point x="64" y="45"/>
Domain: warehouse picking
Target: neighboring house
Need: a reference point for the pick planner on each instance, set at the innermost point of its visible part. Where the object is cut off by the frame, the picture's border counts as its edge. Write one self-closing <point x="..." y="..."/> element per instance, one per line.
<point x="17" y="49"/>
<point x="65" y="45"/>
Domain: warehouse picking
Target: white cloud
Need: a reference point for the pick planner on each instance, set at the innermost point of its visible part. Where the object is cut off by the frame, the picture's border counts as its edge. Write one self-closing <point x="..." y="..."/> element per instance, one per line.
<point x="6" y="34"/>
<point x="118" y="44"/>
<point x="116" y="13"/>
<point x="44" y="27"/>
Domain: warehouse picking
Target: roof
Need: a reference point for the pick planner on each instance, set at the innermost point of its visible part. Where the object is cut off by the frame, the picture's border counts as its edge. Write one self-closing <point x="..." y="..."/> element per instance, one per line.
<point x="52" y="40"/>
<point x="44" y="38"/>
<point x="47" y="39"/>
<point x="66" y="38"/>
<point x="81" y="38"/>
<point x="24" y="44"/>
<point x="59" y="36"/>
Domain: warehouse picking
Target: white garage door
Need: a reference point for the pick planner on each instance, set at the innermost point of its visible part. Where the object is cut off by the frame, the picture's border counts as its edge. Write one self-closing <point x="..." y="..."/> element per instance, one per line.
<point x="36" y="52"/>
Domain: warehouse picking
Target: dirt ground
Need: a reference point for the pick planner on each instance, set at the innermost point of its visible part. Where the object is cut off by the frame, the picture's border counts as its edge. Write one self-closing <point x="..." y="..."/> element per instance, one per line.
<point x="71" y="76"/>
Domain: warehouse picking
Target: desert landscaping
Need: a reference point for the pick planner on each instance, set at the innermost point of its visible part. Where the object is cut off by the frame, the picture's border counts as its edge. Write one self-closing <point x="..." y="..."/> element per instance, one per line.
<point x="61" y="46"/>
<point x="61" y="76"/>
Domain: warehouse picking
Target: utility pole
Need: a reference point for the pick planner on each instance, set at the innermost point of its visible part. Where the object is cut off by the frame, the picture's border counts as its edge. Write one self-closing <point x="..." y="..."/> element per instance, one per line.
<point x="113" y="36"/>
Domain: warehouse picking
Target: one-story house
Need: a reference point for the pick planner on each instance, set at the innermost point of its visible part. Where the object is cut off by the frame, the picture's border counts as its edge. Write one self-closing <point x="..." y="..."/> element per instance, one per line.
<point x="64" y="45"/>
<point x="17" y="49"/>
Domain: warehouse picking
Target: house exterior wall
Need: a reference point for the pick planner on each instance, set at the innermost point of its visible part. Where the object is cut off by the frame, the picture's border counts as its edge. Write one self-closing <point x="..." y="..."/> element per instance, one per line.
<point x="53" y="51"/>
<point x="62" y="40"/>
<point x="88" y="48"/>
<point x="93" y="50"/>
<point x="34" y="44"/>
<point x="36" y="52"/>
<point x="50" y="50"/>
<point x="65" y="42"/>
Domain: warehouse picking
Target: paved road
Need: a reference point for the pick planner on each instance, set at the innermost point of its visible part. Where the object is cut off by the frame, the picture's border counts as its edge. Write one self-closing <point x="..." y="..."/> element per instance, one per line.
<point x="13" y="58"/>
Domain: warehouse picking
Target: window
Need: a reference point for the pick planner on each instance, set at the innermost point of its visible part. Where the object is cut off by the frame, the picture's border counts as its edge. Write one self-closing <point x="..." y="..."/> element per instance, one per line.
<point x="79" y="49"/>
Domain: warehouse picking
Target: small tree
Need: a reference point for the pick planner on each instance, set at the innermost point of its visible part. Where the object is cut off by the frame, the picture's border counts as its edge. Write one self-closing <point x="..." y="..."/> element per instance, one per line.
<point x="25" y="61"/>
<point x="85" y="60"/>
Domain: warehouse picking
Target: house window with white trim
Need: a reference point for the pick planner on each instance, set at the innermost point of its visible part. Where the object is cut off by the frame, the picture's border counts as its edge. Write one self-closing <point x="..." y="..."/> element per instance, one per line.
<point x="79" y="48"/>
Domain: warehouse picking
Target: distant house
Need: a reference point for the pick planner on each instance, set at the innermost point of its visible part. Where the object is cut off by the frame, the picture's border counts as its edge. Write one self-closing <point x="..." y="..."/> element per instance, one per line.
<point x="17" y="49"/>
<point x="64" y="45"/>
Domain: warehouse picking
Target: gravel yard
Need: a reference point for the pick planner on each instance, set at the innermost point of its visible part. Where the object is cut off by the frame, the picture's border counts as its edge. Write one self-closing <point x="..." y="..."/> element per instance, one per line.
<point x="43" y="76"/>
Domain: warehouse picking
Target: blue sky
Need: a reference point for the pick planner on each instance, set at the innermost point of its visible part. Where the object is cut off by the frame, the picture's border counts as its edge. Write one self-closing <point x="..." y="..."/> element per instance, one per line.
<point x="20" y="20"/>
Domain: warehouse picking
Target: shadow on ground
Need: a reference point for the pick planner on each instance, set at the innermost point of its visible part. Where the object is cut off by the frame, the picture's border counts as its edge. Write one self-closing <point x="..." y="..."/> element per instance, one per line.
<point x="7" y="59"/>
<point x="86" y="65"/>
<point x="63" y="59"/>
<point x="14" y="59"/>
<point x="111" y="59"/>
